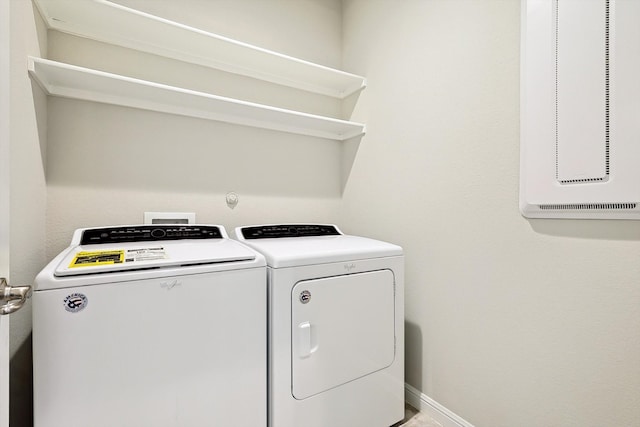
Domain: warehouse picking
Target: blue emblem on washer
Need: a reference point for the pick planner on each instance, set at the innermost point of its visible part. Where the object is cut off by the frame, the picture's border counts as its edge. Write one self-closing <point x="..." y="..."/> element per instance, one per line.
<point x="75" y="302"/>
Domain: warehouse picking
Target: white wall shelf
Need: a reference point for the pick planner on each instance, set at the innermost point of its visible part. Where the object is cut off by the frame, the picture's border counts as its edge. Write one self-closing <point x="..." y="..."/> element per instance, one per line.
<point x="70" y="81"/>
<point x="119" y="25"/>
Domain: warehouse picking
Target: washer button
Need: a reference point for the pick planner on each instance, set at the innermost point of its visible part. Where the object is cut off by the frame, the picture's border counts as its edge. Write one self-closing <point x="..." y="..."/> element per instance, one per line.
<point x="158" y="233"/>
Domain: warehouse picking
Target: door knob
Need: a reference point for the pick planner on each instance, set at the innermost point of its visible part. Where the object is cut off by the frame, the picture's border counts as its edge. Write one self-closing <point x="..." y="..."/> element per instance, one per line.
<point x="12" y="298"/>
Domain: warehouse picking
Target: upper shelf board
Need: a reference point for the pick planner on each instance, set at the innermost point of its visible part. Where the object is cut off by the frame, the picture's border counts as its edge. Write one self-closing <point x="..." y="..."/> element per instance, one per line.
<point x="119" y="25"/>
<point x="70" y="81"/>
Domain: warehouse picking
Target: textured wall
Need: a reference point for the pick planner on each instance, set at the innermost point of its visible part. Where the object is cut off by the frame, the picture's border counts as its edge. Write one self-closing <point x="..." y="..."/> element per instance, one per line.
<point x="108" y="164"/>
<point x="28" y="153"/>
<point x="28" y="193"/>
<point x="510" y="322"/>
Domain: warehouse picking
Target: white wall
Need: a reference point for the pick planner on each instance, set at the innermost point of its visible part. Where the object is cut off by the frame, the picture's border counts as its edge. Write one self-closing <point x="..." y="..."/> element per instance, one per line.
<point x="510" y="322"/>
<point x="108" y="165"/>
<point x="28" y="192"/>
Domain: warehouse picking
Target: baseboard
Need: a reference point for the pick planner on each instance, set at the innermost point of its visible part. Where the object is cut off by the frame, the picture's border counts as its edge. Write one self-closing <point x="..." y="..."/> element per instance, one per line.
<point x="433" y="409"/>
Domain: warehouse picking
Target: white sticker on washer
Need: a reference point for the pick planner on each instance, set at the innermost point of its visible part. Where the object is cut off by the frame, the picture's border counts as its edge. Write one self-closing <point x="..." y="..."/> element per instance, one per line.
<point x="144" y="254"/>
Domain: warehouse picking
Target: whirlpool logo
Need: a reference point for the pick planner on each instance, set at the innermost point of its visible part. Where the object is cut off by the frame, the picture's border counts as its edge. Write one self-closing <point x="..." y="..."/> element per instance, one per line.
<point x="75" y="302"/>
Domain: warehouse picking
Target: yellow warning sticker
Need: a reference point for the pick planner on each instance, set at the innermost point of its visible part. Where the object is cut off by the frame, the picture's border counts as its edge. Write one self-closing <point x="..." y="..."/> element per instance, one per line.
<point x="91" y="259"/>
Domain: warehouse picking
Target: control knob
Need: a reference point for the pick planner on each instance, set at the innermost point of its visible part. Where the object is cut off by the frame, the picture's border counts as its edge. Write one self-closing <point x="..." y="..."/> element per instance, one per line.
<point x="158" y="233"/>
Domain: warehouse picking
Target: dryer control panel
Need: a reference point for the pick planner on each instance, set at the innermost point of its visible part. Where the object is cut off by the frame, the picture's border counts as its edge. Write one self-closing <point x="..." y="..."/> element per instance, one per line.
<point x="289" y="230"/>
<point x="143" y="233"/>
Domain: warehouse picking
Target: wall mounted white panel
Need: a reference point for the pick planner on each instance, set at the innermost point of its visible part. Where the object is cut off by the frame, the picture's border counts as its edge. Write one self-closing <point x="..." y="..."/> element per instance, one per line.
<point x="119" y="25"/>
<point x="580" y="109"/>
<point x="69" y="81"/>
<point x="582" y="90"/>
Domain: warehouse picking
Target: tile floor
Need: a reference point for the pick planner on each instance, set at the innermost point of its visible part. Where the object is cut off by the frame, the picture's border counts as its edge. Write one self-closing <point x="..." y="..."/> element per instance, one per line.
<point x="413" y="418"/>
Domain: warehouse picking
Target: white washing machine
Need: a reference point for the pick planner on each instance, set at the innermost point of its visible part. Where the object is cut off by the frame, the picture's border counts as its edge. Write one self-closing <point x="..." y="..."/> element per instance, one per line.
<point x="336" y="326"/>
<point x="151" y="326"/>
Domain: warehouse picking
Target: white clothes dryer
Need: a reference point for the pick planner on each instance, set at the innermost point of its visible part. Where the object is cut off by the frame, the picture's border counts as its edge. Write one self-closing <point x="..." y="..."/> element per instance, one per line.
<point x="336" y="326"/>
<point x="151" y="326"/>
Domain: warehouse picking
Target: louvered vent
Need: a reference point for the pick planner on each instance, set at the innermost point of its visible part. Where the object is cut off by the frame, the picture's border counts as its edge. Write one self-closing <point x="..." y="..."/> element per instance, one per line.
<point x="589" y="206"/>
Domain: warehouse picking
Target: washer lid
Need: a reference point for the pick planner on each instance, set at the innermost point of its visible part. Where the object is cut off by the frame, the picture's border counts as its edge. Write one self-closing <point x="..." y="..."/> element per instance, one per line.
<point x="115" y="257"/>
<point x="315" y="249"/>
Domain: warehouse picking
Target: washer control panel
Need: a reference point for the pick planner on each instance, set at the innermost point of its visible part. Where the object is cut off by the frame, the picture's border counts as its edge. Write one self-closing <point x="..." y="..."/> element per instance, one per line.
<point x="144" y="233"/>
<point x="291" y="230"/>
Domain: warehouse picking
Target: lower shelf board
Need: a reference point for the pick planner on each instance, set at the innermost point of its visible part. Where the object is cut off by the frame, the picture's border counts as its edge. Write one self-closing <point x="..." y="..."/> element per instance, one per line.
<point x="70" y="81"/>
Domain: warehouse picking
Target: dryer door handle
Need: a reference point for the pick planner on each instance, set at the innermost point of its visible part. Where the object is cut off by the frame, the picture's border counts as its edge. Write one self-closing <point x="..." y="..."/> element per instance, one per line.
<point x="307" y="340"/>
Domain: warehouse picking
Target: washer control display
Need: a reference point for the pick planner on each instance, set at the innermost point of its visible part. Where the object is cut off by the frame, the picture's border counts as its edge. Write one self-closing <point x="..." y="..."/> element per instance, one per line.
<point x="293" y="230"/>
<point x="148" y="233"/>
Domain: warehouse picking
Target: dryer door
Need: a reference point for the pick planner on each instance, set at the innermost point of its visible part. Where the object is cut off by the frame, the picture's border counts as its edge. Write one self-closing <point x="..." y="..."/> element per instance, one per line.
<point x="342" y="329"/>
